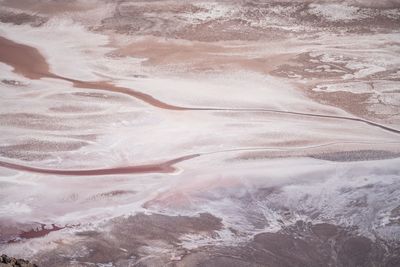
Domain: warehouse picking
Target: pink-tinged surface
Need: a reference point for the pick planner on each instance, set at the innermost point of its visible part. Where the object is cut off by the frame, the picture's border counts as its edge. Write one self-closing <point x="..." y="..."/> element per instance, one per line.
<point x="200" y="133"/>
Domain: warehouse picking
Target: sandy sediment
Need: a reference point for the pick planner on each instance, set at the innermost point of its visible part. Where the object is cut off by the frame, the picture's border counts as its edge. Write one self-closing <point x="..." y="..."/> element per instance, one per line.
<point x="200" y="133"/>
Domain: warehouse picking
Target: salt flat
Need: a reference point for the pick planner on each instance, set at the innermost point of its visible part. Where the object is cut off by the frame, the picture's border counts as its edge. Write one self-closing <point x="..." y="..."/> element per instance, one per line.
<point x="200" y="133"/>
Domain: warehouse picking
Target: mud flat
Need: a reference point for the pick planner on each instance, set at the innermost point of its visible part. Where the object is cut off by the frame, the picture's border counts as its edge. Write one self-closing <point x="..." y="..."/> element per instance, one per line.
<point x="200" y="133"/>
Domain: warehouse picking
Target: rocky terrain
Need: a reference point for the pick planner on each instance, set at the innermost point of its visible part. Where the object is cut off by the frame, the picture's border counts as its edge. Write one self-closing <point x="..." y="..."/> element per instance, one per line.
<point x="200" y="133"/>
<point x="6" y="261"/>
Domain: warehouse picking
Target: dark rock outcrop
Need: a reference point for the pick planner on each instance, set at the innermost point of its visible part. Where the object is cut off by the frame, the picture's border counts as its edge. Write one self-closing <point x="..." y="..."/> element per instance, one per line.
<point x="6" y="261"/>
